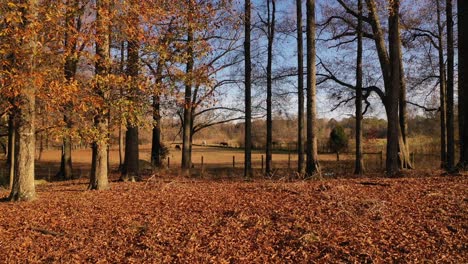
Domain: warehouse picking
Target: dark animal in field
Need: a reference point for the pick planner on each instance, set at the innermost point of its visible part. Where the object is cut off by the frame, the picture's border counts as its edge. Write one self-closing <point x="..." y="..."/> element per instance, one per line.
<point x="224" y="144"/>
<point x="177" y="147"/>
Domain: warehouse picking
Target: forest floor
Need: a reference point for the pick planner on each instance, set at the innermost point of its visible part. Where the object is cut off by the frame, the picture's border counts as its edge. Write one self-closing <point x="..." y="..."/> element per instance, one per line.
<point x="416" y="218"/>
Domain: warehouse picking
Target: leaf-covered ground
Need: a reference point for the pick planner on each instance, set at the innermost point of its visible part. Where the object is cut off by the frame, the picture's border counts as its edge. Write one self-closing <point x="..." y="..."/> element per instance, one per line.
<point x="422" y="219"/>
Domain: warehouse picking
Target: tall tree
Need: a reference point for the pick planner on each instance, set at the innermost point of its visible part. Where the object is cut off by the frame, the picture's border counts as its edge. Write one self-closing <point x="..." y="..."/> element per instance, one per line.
<point x="312" y="166"/>
<point x="187" y="122"/>
<point x="248" y="97"/>
<point x="300" y="90"/>
<point x="72" y="28"/>
<point x="99" y="168"/>
<point x="450" y="88"/>
<point x="271" y="9"/>
<point x="463" y="83"/>
<point x="442" y="89"/>
<point x="130" y="168"/>
<point x="359" y="163"/>
<point x="23" y="188"/>
<point x="393" y="93"/>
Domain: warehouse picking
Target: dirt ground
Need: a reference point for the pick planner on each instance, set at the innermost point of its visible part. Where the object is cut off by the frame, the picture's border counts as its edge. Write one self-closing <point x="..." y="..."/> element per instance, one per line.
<point x="184" y="220"/>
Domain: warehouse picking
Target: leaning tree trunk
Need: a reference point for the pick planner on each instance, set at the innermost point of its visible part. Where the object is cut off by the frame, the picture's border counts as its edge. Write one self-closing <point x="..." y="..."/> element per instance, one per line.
<point x="450" y="89"/>
<point x="392" y="95"/>
<point x="248" y="98"/>
<point x="99" y="168"/>
<point x="463" y="83"/>
<point x="312" y="166"/>
<point x="359" y="162"/>
<point x="442" y="92"/>
<point x="269" y="123"/>
<point x="300" y="91"/>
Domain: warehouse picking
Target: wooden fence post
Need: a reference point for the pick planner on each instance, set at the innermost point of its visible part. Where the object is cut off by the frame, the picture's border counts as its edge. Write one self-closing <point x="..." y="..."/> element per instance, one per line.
<point x="168" y="162"/>
<point x="381" y="159"/>
<point x="233" y="161"/>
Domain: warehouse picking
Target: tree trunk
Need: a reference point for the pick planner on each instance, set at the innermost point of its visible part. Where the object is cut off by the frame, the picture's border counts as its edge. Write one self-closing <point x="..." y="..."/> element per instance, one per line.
<point x="12" y="142"/>
<point x="269" y="124"/>
<point x="405" y="161"/>
<point x="300" y="91"/>
<point x="131" y="168"/>
<point x="359" y="163"/>
<point x="99" y="172"/>
<point x="156" y="139"/>
<point x="462" y="83"/>
<point x="392" y="95"/>
<point x="187" y="126"/>
<point x="248" y="98"/>
<point x="450" y="89"/>
<point x="442" y="92"/>
<point x="23" y="188"/>
<point x="312" y="156"/>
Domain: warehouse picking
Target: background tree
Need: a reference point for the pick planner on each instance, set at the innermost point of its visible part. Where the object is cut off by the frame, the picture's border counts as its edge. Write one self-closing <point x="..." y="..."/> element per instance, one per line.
<point x="359" y="163"/>
<point x="462" y="83"/>
<point x="338" y="140"/>
<point x="300" y="90"/>
<point x="248" y="85"/>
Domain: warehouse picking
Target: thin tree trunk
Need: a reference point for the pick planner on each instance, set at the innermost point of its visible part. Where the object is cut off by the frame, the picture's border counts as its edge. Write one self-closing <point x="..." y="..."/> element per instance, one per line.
<point x="11" y="146"/>
<point x="99" y="168"/>
<point x="442" y="92"/>
<point x="462" y="83"/>
<point x="121" y="126"/>
<point x="156" y="139"/>
<point x="450" y="89"/>
<point x="359" y="163"/>
<point x="392" y="95"/>
<point x="405" y="160"/>
<point x="248" y="98"/>
<point x="187" y="130"/>
<point x="269" y="124"/>
<point x="300" y="91"/>
<point x="312" y="156"/>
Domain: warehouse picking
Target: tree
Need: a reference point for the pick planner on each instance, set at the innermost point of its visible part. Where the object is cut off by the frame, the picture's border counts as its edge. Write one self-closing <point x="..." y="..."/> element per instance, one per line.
<point x="450" y="89"/>
<point x="99" y="168"/>
<point x="270" y="23"/>
<point x="130" y="168"/>
<point x="23" y="188"/>
<point x="359" y="163"/>
<point x="312" y="166"/>
<point x="462" y="83"/>
<point x="300" y="90"/>
<point x="442" y="90"/>
<point x="338" y="140"/>
<point x="248" y="87"/>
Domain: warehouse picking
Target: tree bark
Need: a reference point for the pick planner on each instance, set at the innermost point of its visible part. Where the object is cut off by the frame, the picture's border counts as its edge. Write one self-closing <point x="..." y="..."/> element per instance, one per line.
<point x="130" y="171"/>
<point x="300" y="91"/>
<point x="393" y="93"/>
<point x="187" y="126"/>
<point x="248" y="87"/>
<point x="359" y="163"/>
<point x="12" y="145"/>
<point x="450" y="89"/>
<point x="442" y="91"/>
<point x="462" y="83"/>
<point x="99" y="168"/>
<point x="269" y="124"/>
<point x="312" y="166"/>
<point x="23" y="188"/>
<point x="156" y="138"/>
